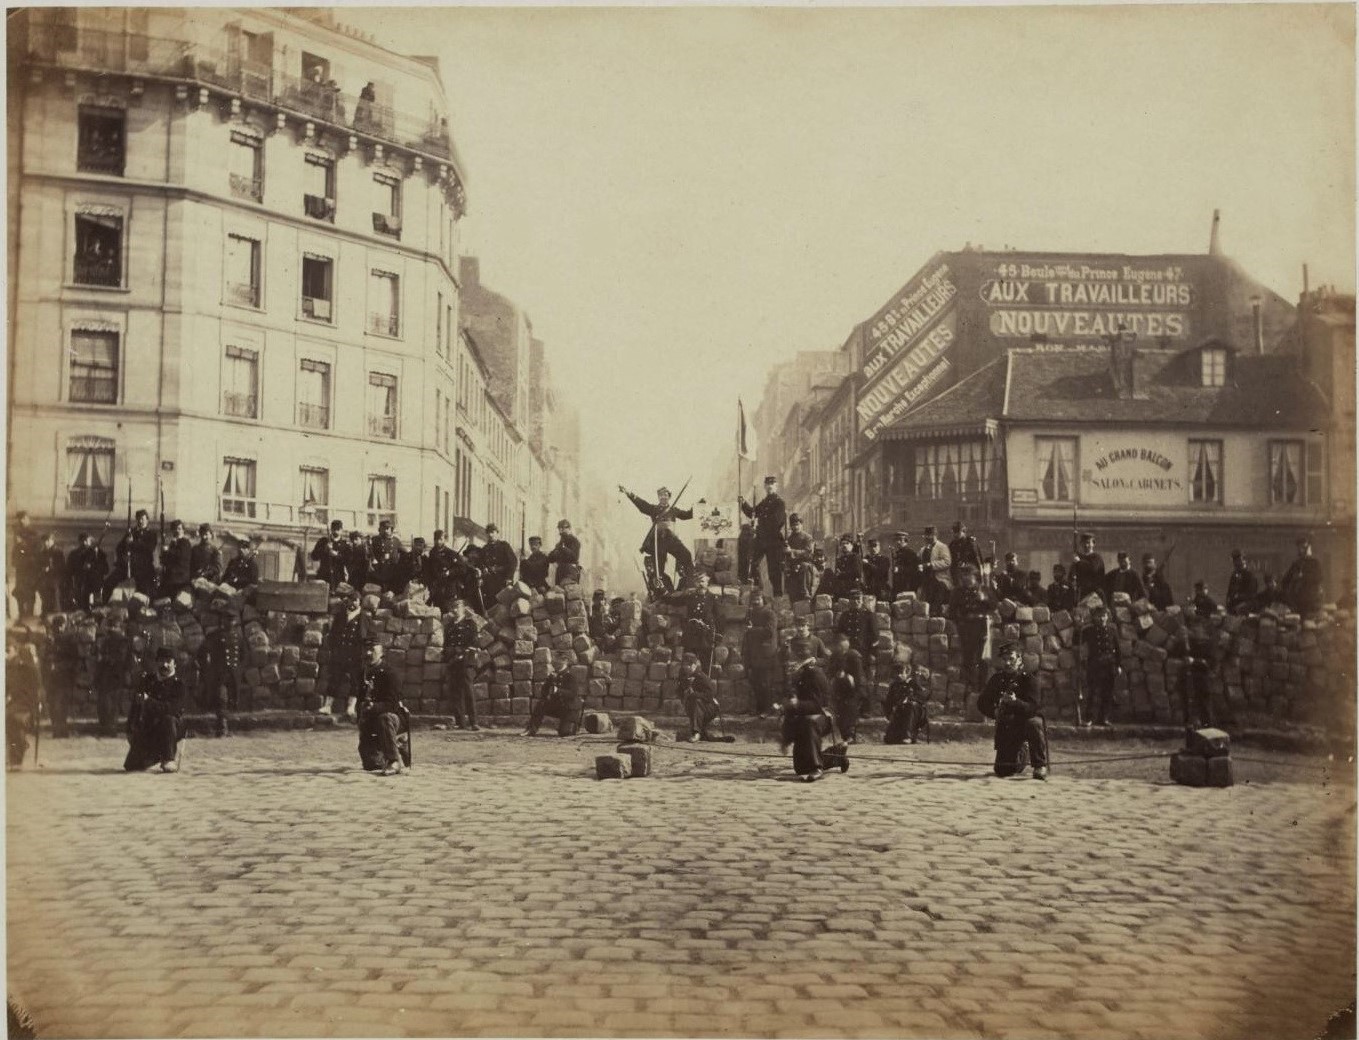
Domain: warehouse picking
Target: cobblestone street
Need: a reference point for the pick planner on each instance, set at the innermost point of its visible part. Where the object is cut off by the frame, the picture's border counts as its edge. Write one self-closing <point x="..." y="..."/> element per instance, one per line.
<point x="274" y="889"/>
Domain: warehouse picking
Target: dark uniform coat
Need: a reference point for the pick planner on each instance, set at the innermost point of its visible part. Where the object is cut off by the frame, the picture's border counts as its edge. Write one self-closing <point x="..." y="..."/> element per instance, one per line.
<point x="154" y="725"/>
<point x="1120" y="580"/>
<point x="205" y="561"/>
<point x="1159" y="593"/>
<point x="1302" y="585"/>
<point x="329" y="554"/>
<point x="905" y="570"/>
<point x="1241" y="591"/>
<point x="565" y="556"/>
<point x="242" y="572"/>
<point x="533" y="571"/>
<point x="1087" y="575"/>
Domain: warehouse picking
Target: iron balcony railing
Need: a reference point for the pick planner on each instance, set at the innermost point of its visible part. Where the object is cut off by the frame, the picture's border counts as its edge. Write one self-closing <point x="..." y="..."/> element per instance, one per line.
<point x="313" y="416"/>
<point x="243" y="293"/>
<point x="98" y="270"/>
<point x="100" y="158"/>
<point x="382" y="426"/>
<point x="319" y="207"/>
<point x="103" y="51"/>
<point x="240" y="405"/>
<point x="94" y="389"/>
<point x="383" y="324"/>
<point x="93" y="498"/>
<point x="244" y="187"/>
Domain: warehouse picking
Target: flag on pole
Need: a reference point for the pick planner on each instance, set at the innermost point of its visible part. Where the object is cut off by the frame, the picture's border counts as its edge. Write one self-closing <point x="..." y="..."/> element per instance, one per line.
<point x="742" y="449"/>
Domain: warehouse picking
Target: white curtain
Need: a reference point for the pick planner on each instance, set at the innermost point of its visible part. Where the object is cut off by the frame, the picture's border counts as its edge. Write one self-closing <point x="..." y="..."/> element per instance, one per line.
<point x="240" y="479"/>
<point x="1205" y="466"/>
<point x="1056" y="460"/>
<point x="315" y="487"/>
<point x="97" y="350"/>
<point x="382" y="395"/>
<point x="89" y="468"/>
<point x="1285" y="466"/>
<point x="380" y="493"/>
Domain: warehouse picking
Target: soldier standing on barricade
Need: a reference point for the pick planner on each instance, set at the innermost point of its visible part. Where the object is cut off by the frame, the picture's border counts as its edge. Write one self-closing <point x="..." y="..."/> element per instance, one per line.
<point x="460" y="647"/>
<point x="1087" y="571"/>
<point x="1241" y="588"/>
<point x="447" y="571"/>
<point x="384" y="553"/>
<point x="963" y="550"/>
<point x="661" y="542"/>
<point x="51" y="575"/>
<point x="936" y="569"/>
<point x="1010" y="582"/>
<point x="1124" y="579"/>
<point x="497" y="562"/>
<point x="1061" y="596"/>
<point x="23" y="563"/>
<point x="878" y="573"/>
<point x="798" y="560"/>
<point x="534" y="567"/>
<point x="329" y="553"/>
<point x="356" y="566"/>
<point x="905" y="566"/>
<point x="86" y="567"/>
<point x="849" y="567"/>
<point x="565" y="556"/>
<point x="1159" y="594"/>
<point x="205" y="560"/>
<point x="243" y="572"/>
<point x="1302" y="582"/>
<point x="771" y="519"/>
<point x="176" y="561"/>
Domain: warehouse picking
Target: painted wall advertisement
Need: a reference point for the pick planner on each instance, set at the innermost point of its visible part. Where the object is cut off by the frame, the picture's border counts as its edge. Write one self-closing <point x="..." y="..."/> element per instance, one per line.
<point x="905" y="349"/>
<point x="1132" y="471"/>
<point x="1082" y="302"/>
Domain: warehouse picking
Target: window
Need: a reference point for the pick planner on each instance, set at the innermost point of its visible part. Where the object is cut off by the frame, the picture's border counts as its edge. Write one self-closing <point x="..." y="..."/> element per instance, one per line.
<point x="314" y="484"/>
<point x="318" y="200"/>
<point x="100" y="140"/>
<point x="316" y="286"/>
<point x="242" y="271"/>
<point x="313" y="395"/>
<point x="1205" y="471"/>
<point x="384" y="303"/>
<point x="387" y="205"/>
<point x="1294" y="473"/>
<point x="99" y="248"/>
<point x="245" y="167"/>
<point x="238" y="487"/>
<point x="1214" y="366"/>
<point x="94" y="367"/>
<point x="382" y="405"/>
<point x="439" y="324"/>
<point x="1055" y="462"/>
<point x="381" y="500"/>
<point x="240" y="383"/>
<point x="89" y="474"/>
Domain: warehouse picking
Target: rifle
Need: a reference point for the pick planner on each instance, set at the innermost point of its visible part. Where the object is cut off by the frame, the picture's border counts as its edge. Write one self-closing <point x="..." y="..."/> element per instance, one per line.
<point x="128" y="557"/>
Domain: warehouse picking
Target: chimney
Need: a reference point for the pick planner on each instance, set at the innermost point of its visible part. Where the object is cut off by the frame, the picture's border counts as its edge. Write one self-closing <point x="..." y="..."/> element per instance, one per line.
<point x="1214" y="246"/>
<point x="1258" y="325"/>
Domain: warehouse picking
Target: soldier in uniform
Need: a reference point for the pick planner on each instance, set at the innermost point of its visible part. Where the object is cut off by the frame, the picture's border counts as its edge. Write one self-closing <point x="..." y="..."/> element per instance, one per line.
<point x="51" y="575"/>
<point x="808" y="726"/>
<point x="1103" y="665"/>
<point x="383" y="747"/>
<point x="1241" y="587"/>
<point x="802" y="646"/>
<point x="936" y="569"/>
<point x="140" y="552"/>
<point x="1034" y="595"/>
<point x="860" y="625"/>
<point x="1061" y="596"/>
<point x="1011" y="698"/>
<point x="905" y="566"/>
<point x="970" y="607"/>
<point x="413" y="566"/>
<point x="243" y="572"/>
<point x="760" y="655"/>
<point x="116" y="669"/>
<point x="661" y="542"/>
<point x="460" y="647"/>
<point x="447" y="572"/>
<point x="1087" y="572"/>
<point x="60" y="661"/>
<point x="907" y="704"/>
<point x="1123" y="579"/>
<point x="176" y="561"/>
<point x="220" y="666"/>
<point x="603" y="623"/>
<point x="559" y="699"/>
<point x="384" y="553"/>
<point x="1010" y="582"/>
<point x="329" y="553"/>
<point x="533" y="570"/>
<point x="497" y="562"/>
<point x="964" y="550"/>
<point x="356" y="561"/>
<point x="771" y="518"/>
<point x="1193" y="646"/>
<point x="700" y="622"/>
<point x="565" y="556"/>
<point x="1204" y="605"/>
<point x="799" y="560"/>
<point x="1302" y="588"/>
<point x="849" y="567"/>
<point x="1270" y="594"/>
<point x="344" y="657"/>
<point x="205" y="561"/>
<point x="698" y="696"/>
<point x="86" y="567"/>
<point x="23" y="563"/>
<point x="878" y="573"/>
<point x="23" y="699"/>
<point x="845" y="670"/>
<point x="1159" y="594"/>
<point x="155" y="722"/>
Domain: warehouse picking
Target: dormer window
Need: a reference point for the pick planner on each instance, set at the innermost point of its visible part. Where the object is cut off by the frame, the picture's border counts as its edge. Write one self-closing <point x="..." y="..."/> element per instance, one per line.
<point x="1213" y="361"/>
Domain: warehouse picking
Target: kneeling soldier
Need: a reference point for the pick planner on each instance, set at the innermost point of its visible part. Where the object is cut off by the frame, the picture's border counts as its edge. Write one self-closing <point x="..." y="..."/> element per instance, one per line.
<point x="154" y="723"/>
<point x="559" y="700"/>
<point x="1011" y="698"/>
<point x="699" y="697"/>
<point x="383" y="747"/>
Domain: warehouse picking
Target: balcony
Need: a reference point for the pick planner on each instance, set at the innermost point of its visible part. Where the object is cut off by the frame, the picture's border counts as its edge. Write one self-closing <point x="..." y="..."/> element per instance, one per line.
<point x="94" y="157"/>
<point x="94" y="499"/>
<point x="386" y="224"/>
<point x="244" y="187"/>
<point x="48" y="43"/>
<point x="314" y="307"/>
<point x="243" y="294"/>
<point x="383" y="426"/>
<point x="231" y="507"/>
<point x="319" y="207"/>
<point x="99" y="270"/>
<point x="95" y="389"/>
<point x="242" y="406"/>
<point x="383" y="324"/>
<point x="313" y="416"/>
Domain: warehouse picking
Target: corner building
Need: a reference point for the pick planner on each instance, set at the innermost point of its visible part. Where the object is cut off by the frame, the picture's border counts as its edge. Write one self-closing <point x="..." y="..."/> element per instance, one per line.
<point x="232" y="273"/>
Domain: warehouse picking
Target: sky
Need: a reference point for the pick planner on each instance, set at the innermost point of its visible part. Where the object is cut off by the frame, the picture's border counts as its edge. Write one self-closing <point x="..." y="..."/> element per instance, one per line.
<point x="682" y="198"/>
